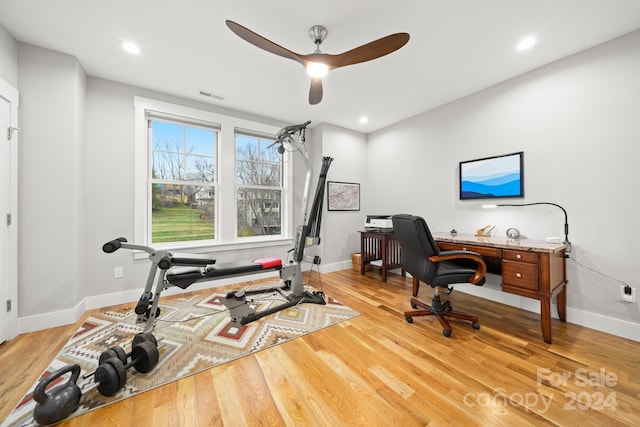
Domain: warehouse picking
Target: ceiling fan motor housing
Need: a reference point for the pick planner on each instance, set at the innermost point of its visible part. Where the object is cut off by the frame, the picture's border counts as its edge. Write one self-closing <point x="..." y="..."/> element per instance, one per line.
<point x="318" y="33"/>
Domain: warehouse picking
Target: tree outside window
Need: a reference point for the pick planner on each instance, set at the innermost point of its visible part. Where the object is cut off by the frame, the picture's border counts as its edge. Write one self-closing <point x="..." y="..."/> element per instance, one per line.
<point x="182" y="181"/>
<point x="259" y="186"/>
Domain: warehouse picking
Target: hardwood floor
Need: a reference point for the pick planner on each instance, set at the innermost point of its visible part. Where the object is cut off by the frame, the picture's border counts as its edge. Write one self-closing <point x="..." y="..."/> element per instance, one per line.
<point x="379" y="370"/>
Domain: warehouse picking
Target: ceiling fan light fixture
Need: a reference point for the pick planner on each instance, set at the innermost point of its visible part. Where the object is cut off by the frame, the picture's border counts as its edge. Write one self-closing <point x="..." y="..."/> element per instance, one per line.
<point x="317" y="70"/>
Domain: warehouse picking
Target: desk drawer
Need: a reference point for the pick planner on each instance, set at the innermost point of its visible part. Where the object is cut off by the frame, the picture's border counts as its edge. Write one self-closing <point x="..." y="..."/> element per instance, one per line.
<point x="521" y="256"/>
<point x="482" y="250"/>
<point x="520" y="274"/>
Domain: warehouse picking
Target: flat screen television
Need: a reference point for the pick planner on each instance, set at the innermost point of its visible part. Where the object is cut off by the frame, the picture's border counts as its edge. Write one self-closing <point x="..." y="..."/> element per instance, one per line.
<point x="492" y="177"/>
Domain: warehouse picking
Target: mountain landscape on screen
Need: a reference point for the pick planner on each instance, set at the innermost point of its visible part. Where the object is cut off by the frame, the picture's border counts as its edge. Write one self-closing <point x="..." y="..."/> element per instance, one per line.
<point x="491" y="177"/>
<point x="503" y="185"/>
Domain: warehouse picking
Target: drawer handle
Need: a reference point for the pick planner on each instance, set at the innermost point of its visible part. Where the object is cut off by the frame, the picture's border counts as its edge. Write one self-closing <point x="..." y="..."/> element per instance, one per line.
<point x="464" y="249"/>
<point x="518" y="275"/>
<point x="518" y="256"/>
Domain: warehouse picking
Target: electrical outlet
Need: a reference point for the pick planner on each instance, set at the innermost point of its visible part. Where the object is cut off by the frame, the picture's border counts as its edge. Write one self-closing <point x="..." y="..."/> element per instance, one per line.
<point x="631" y="297"/>
<point x="118" y="273"/>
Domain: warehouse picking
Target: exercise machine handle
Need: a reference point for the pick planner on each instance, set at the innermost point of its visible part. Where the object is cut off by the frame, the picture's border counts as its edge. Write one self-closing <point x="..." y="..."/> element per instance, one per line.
<point x="113" y="245"/>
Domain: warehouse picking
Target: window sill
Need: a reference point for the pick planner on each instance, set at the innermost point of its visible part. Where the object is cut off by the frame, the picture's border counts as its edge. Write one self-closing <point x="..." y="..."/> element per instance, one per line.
<point x="217" y="247"/>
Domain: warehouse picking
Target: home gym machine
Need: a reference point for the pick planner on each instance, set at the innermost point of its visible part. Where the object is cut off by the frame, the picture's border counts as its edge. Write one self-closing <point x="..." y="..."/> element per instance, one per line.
<point x="182" y="270"/>
<point x="308" y="234"/>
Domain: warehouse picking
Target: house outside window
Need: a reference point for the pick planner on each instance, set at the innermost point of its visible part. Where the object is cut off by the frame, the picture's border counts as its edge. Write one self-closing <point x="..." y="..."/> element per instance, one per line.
<point x="259" y="185"/>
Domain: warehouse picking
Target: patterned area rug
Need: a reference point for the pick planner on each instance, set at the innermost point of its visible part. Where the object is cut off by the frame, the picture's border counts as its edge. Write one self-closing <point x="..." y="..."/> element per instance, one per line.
<point x="196" y="334"/>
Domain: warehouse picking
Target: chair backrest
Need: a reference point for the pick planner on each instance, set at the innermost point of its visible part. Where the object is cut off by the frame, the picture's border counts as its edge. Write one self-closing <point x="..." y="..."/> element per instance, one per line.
<point x="417" y="245"/>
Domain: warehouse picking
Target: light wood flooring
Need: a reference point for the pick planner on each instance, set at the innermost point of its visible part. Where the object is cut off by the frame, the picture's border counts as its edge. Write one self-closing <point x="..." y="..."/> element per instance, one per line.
<point x="379" y="370"/>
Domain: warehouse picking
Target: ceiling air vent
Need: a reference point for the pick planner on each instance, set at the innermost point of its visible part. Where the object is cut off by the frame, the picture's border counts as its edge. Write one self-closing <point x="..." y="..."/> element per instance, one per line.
<point x="210" y="95"/>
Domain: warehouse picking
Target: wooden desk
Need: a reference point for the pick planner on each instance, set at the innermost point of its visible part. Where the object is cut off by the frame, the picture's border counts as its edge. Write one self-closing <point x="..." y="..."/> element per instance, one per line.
<point x="529" y="268"/>
<point x="380" y="246"/>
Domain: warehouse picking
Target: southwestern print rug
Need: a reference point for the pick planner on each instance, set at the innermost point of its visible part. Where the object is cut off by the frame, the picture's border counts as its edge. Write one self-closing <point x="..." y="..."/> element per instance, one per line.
<point x="195" y="334"/>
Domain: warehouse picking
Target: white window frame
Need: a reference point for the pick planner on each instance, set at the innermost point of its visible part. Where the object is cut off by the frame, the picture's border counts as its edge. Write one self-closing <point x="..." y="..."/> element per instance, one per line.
<point x="281" y="188"/>
<point x="226" y="218"/>
<point x="152" y="115"/>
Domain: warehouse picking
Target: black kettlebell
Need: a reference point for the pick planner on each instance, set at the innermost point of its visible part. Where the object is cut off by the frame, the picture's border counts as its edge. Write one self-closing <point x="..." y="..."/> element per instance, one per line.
<point x="58" y="403"/>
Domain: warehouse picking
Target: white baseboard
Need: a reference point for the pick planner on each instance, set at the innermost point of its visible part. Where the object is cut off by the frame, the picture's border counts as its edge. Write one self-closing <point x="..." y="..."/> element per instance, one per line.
<point x="66" y="317"/>
<point x="336" y="266"/>
<point x="610" y="325"/>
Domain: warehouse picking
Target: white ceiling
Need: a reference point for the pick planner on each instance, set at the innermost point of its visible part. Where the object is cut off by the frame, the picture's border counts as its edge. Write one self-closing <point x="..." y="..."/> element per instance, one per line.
<point x="456" y="48"/>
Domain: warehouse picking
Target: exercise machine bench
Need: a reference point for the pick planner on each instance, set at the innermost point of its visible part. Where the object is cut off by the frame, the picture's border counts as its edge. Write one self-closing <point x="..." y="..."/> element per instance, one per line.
<point x="183" y="270"/>
<point x="183" y="277"/>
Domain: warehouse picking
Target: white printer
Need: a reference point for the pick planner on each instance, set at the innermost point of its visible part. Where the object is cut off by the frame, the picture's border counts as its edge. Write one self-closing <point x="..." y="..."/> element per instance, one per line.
<point x="378" y="223"/>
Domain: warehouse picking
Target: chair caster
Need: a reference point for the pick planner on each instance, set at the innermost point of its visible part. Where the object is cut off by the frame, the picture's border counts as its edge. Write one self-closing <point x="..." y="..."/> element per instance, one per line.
<point x="449" y="308"/>
<point x="410" y="319"/>
<point x="414" y="306"/>
<point x="446" y="333"/>
<point x="475" y="325"/>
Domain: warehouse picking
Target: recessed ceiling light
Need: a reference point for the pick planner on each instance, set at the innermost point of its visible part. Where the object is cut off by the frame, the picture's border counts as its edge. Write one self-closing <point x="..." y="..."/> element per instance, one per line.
<point x="364" y="119"/>
<point x="526" y="43"/>
<point x="131" y="48"/>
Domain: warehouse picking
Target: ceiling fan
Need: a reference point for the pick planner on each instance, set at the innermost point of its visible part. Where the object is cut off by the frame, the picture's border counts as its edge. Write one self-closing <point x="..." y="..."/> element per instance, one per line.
<point x="317" y="63"/>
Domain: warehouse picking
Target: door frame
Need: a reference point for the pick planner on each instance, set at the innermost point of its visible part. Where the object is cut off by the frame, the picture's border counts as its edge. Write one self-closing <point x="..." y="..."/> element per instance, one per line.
<point x="10" y="93"/>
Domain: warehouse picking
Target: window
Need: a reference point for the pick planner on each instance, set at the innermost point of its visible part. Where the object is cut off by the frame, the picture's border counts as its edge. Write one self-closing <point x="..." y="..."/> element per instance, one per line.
<point x="206" y="180"/>
<point x="182" y="179"/>
<point x="259" y="185"/>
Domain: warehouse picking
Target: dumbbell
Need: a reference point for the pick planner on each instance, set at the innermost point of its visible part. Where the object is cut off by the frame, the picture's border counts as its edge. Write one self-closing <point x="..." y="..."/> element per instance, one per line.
<point x="119" y="353"/>
<point x="111" y="374"/>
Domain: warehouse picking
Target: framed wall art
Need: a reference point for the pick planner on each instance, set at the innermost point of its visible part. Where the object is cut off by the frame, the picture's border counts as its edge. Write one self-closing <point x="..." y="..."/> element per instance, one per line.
<point x="343" y="196"/>
<point x="492" y="177"/>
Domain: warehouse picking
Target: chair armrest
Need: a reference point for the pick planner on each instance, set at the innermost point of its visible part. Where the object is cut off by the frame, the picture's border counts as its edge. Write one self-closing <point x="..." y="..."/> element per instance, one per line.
<point x="481" y="268"/>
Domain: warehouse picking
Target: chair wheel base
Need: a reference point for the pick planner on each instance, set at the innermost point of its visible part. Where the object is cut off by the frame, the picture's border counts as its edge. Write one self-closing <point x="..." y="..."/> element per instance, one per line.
<point x="446" y="333"/>
<point x="409" y="319"/>
<point x="475" y="325"/>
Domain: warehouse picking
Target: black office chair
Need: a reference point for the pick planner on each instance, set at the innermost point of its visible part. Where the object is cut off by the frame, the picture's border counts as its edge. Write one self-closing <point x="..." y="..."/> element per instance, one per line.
<point x="421" y="257"/>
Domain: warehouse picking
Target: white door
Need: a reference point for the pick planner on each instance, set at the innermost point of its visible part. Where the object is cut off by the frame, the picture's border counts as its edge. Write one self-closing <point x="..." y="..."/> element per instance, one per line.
<point x="8" y="205"/>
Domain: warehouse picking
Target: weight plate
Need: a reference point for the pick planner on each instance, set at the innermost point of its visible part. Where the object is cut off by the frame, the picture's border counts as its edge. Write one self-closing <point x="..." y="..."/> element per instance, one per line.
<point x="121" y="370"/>
<point x="146" y="356"/>
<point x="117" y="352"/>
<point x="107" y="379"/>
<point x="142" y="337"/>
<point x="106" y="355"/>
<point x="120" y="354"/>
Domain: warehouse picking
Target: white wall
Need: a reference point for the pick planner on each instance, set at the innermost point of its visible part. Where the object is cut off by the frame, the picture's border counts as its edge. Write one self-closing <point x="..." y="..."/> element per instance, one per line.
<point x="108" y="198"/>
<point x="8" y="57"/>
<point x="340" y="229"/>
<point x="578" y="123"/>
<point x="51" y="87"/>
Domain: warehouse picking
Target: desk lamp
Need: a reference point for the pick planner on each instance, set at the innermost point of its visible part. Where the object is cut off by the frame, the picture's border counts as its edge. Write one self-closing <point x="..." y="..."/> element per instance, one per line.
<point x="566" y="223"/>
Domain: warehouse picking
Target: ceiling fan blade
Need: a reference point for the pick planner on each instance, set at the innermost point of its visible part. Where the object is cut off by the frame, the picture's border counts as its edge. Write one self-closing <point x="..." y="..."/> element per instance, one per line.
<point x="364" y="53"/>
<point x="263" y="43"/>
<point x="315" y="92"/>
